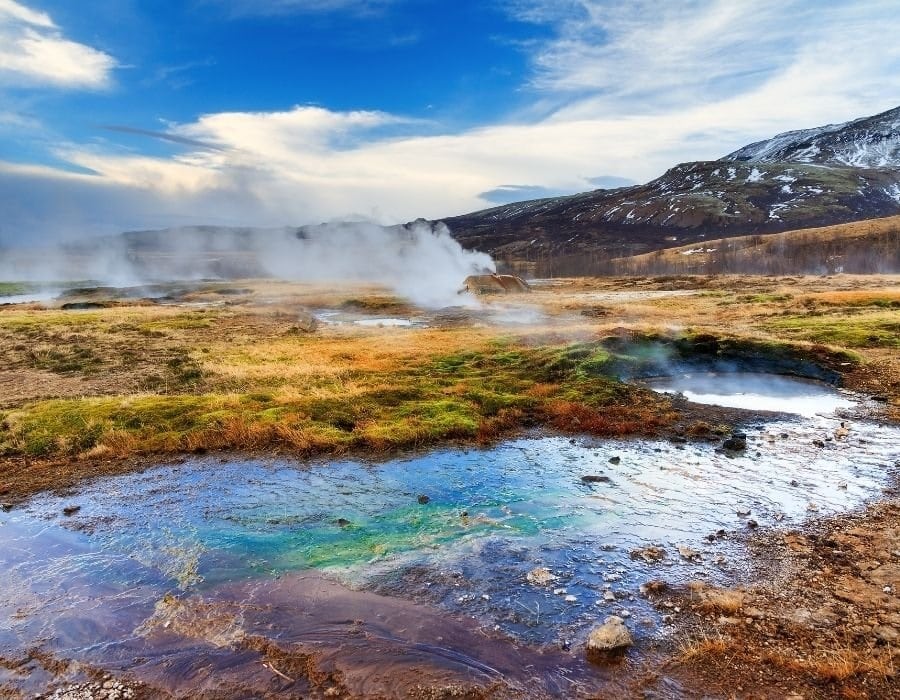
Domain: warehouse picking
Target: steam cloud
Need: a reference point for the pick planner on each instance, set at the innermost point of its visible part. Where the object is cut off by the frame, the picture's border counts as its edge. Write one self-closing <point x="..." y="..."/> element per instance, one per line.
<point x="419" y="261"/>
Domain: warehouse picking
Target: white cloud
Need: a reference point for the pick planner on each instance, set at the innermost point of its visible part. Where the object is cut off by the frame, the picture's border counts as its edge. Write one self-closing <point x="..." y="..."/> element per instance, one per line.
<point x="633" y="93"/>
<point x="34" y="52"/>
<point x="12" y="10"/>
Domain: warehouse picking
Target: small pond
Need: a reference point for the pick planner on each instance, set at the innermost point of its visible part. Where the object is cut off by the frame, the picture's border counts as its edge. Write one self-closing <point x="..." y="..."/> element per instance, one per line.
<point x="755" y="392"/>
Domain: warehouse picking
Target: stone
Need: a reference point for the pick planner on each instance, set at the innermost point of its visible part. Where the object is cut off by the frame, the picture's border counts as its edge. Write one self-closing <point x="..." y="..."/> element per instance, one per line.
<point x="688" y="553"/>
<point x="615" y="460"/>
<point x="595" y="479"/>
<point x="608" y="640"/>
<point x="736" y="443"/>
<point x="651" y="587"/>
<point x="71" y="510"/>
<point x="649" y="554"/>
<point x="886" y="634"/>
<point x="422" y="499"/>
<point x="541" y="576"/>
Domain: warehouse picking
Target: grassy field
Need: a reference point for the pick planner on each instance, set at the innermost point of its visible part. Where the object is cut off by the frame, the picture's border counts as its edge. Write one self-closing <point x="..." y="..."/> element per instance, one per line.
<point x="866" y="246"/>
<point x="231" y="368"/>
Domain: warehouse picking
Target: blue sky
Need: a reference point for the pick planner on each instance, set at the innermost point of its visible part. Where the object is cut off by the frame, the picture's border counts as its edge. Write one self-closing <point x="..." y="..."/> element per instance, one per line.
<point x="118" y="114"/>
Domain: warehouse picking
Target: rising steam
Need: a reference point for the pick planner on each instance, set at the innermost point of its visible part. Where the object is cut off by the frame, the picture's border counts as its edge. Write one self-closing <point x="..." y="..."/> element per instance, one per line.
<point x="419" y="261"/>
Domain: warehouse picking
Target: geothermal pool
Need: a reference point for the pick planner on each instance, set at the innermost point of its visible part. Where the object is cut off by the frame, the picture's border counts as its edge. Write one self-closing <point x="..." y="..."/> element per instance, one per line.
<point x="265" y="547"/>
<point x="755" y="392"/>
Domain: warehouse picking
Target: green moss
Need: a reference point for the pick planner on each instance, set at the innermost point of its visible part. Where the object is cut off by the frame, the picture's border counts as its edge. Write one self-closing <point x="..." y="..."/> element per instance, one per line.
<point x="868" y="329"/>
<point x="13" y="288"/>
<point x="451" y="397"/>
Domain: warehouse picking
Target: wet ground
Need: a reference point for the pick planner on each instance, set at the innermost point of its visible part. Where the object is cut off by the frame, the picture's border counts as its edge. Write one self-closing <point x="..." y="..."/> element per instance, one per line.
<point x="429" y="560"/>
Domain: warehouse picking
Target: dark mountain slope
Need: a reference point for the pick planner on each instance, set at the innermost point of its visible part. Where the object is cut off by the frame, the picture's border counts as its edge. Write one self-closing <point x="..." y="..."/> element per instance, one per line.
<point x="795" y="180"/>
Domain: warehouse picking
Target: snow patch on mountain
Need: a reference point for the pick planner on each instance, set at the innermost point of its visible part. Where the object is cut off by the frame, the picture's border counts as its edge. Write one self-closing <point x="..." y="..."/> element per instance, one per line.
<point x="870" y="142"/>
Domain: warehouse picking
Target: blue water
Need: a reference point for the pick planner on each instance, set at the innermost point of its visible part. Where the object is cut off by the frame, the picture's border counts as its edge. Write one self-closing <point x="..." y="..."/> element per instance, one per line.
<point x="493" y="515"/>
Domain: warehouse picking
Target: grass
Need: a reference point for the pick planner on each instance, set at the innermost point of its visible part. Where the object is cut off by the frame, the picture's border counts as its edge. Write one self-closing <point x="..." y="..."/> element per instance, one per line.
<point x="13" y="288"/>
<point x="462" y="395"/>
<point x="163" y="379"/>
<point x="869" y="328"/>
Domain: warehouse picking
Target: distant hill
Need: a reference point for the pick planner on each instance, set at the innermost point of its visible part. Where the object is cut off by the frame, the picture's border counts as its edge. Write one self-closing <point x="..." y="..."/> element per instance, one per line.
<point x="816" y="177"/>
<point x="862" y="247"/>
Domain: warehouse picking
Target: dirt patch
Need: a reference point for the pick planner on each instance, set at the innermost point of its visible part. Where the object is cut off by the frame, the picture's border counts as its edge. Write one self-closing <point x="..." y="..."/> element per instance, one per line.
<point x="820" y="617"/>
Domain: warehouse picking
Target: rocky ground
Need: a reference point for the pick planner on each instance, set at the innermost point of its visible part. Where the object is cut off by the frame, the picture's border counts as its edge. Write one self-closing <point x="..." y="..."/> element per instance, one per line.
<point x="820" y="617"/>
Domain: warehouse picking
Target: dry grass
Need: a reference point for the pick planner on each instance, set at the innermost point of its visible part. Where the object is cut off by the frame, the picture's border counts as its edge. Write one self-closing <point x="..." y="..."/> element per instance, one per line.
<point x="719" y="600"/>
<point x="836" y="665"/>
<point x="702" y="648"/>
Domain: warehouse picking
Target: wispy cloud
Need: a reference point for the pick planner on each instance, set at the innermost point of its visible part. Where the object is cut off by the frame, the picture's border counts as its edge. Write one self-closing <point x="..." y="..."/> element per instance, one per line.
<point x="627" y="89"/>
<point x="34" y="52"/>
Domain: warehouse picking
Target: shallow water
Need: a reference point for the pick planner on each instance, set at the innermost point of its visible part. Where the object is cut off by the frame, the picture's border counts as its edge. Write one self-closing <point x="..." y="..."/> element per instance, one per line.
<point x="29" y="297"/>
<point x="755" y="392"/>
<point x="212" y="529"/>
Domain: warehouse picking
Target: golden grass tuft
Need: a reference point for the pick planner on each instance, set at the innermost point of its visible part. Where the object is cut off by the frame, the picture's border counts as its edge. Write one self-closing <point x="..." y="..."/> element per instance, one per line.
<point x="703" y="647"/>
<point x="837" y="665"/>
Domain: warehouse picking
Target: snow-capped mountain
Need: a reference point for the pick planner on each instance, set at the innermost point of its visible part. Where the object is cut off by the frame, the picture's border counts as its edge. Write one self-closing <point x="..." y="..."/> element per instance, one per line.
<point x="815" y="177"/>
<point x="870" y="142"/>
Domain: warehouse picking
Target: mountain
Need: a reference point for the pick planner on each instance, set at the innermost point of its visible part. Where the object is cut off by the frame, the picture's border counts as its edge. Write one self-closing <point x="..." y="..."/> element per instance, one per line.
<point x="816" y="177"/>
<point x="870" y="142"/>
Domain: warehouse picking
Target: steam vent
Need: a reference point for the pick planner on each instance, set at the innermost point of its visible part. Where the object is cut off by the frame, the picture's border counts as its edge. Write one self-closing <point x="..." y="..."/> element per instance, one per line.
<point x="495" y="284"/>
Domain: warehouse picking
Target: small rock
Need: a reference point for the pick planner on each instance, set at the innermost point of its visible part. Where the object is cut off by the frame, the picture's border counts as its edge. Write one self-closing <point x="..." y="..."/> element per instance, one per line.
<point x="541" y="576"/>
<point x="422" y="499"/>
<point x="794" y="482"/>
<point x="752" y="524"/>
<point x="736" y="443"/>
<point x="342" y="522"/>
<point x="609" y="639"/>
<point x="609" y="596"/>
<point x="595" y="479"/>
<point x="649" y="554"/>
<point x="615" y="460"/>
<point x="886" y="634"/>
<point x="71" y="510"/>
<point x="818" y="443"/>
<point x="743" y="512"/>
<point x="570" y="599"/>
<point x="651" y="587"/>
<point x="688" y="553"/>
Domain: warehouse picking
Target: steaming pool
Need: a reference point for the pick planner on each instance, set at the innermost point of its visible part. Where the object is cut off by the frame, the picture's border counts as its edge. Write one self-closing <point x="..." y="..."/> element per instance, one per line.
<point x="755" y="392"/>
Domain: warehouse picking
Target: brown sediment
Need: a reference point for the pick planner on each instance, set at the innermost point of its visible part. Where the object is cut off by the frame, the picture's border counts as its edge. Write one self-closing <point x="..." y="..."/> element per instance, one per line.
<point x="819" y="618"/>
<point x="305" y="636"/>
